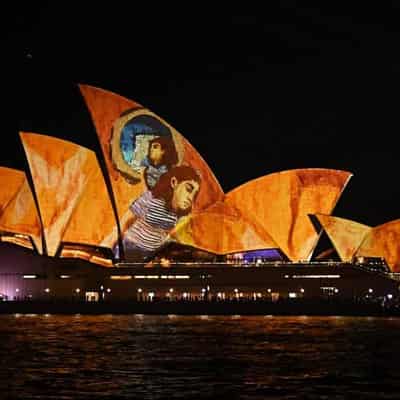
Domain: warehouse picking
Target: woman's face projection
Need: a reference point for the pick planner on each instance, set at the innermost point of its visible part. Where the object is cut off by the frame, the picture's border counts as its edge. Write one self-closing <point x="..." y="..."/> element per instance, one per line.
<point x="156" y="153"/>
<point x="139" y="142"/>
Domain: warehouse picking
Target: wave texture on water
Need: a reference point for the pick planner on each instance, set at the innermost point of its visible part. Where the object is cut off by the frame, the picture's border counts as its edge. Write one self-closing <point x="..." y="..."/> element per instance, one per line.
<point x="178" y="357"/>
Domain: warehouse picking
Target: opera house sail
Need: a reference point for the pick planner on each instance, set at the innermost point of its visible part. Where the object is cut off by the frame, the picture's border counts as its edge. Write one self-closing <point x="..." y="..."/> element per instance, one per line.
<point x="159" y="201"/>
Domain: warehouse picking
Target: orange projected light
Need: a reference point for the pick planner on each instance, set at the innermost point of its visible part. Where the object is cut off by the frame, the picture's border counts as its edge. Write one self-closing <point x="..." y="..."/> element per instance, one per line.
<point x="383" y="241"/>
<point x="19" y="240"/>
<point x="163" y="192"/>
<point x="345" y="235"/>
<point x="11" y="182"/>
<point x="139" y="148"/>
<point x="281" y="202"/>
<point x="70" y="189"/>
<point x="18" y="213"/>
<point x="76" y="251"/>
<point x="222" y="229"/>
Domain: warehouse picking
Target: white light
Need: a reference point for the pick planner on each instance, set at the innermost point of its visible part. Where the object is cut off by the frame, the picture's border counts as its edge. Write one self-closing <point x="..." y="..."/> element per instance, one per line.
<point x="17" y="290"/>
<point x="203" y="290"/>
<point x="139" y="290"/>
<point x="29" y="277"/>
<point x="302" y="290"/>
<point x="171" y="290"/>
<point x="47" y="290"/>
<point x="390" y="296"/>
<point x="236" y="290"/>
<point x="185" y="295"/>
<point x="77" y="290"/>
<point x="108" y="290"/>
<point x="287" y="276"/>
<point x="65" y="276"/>
<point x="101" y="287"/>
<point x="269" y="290"/>
<point x="292" y="295"/>
<point x="370" y="290"/>
<point x="336" y="290"/>
<point x="314" y="276"/>
<point x="219" y="295"/>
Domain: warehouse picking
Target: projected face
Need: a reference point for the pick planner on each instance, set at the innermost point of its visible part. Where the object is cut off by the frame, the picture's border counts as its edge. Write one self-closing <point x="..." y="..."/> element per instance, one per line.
<point x="140" y="144"/>
<point x="184" y="194"/>
<point x="156" y="153"/>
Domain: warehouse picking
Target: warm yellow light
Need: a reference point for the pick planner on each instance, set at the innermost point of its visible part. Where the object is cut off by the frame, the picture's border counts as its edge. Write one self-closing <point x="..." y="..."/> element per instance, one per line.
<point x="121" y="277"/>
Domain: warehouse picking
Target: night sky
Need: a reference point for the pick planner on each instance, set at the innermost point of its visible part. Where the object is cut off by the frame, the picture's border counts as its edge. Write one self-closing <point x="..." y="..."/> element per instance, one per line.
<point x="255" y="91"/>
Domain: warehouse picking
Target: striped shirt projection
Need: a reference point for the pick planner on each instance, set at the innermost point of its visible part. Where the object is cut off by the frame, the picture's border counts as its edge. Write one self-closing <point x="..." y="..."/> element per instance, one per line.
<point x="150" y="230"/>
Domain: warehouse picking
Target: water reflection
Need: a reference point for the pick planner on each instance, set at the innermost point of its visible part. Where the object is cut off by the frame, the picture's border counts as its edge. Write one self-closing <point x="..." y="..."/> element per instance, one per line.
<point x="151" y="357"/>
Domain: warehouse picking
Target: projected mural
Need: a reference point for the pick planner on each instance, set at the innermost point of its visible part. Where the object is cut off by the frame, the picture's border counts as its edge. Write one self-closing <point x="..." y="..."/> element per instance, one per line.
<point x="157" y="211"/>
<point x="158" y="179"/>
<point x="142" y="151"/>
<point x="157" y="189"/>
<point x="143" y="147"/>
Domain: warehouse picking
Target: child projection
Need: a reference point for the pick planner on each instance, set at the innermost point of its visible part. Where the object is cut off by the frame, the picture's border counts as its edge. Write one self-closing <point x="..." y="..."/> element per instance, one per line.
<point x="161" y="156"/>
<point x="157" y="211"/>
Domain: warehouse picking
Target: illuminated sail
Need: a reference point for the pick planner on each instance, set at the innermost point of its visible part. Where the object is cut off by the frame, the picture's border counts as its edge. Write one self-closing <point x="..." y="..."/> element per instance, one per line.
<point x="71" y="193"/>
<point x="383" y="241"/>
<point x="11" y="182"/>
<point x="18" y="213"/>
<point x="222" y="229"/>
<point x="280" y="204"/>
<point x="126" y="132"/>
<point x="345" y="235"/>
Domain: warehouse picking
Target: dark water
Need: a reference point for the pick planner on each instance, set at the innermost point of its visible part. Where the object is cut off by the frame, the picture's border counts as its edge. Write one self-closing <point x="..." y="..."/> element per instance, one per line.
<point x="152" y="357"/>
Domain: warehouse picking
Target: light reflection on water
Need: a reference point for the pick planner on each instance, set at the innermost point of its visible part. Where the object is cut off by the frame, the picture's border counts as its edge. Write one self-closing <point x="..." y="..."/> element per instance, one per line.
<point x="237" y="357"/>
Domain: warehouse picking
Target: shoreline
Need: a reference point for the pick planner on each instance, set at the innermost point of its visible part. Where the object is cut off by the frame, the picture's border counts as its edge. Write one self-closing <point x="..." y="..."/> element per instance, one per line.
<point x="281" y="308"/>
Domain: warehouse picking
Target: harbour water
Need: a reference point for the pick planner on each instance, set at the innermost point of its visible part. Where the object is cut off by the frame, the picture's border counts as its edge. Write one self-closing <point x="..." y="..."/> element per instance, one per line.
<point x="178" y="357"/>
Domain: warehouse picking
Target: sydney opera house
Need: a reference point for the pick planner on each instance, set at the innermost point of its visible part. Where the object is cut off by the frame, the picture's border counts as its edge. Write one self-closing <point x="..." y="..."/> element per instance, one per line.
<point x="147" y="219"/>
